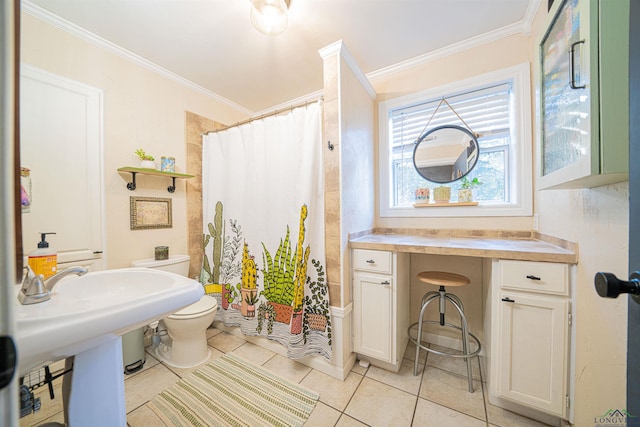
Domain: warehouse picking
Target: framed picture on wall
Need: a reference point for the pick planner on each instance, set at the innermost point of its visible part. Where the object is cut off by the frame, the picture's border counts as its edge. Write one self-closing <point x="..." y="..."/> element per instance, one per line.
<point x="150" y="213"/>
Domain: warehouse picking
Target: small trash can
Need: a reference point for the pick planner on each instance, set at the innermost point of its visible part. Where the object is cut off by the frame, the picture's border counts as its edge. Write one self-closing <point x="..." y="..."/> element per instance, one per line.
<point x="133" y="354"/>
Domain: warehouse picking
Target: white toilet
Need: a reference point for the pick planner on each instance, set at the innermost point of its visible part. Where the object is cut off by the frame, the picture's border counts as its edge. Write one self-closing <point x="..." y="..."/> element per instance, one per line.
<point x="187" y="328"/>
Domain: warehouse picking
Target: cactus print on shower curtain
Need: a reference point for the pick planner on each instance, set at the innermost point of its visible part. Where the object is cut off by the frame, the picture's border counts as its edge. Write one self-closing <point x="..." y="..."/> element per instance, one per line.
<point x="277" y="289"/>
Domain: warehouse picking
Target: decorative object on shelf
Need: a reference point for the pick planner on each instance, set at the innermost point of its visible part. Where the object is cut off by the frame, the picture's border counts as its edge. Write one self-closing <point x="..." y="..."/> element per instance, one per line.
<point x="168" y="164"/>
<point x="422" y="195"/>
<point x="150" y="213"/>
<point x="146" y="160"/>
<point x="133" y="171"/>
<point x="466" y="191"/>
<point x="442" y="194"/>
<point x="465" y="195"/>
<point x="161" y="253"/>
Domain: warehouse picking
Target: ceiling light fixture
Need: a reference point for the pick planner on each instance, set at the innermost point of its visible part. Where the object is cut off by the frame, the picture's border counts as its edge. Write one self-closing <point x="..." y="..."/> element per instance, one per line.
<point x="270" y="16"/>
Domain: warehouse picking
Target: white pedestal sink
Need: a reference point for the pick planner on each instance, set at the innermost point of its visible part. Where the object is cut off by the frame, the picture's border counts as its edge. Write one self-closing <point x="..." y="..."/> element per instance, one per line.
<point x="85" y="318"/>
<point x="94" y="396"/>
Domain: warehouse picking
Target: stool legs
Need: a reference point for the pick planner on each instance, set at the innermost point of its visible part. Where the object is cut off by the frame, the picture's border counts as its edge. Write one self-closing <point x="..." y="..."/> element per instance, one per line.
<point x="465" y="338"/>
<point x="443" y="297"/>
<point x="457" y="303"/>
<point x="426" y="300"/>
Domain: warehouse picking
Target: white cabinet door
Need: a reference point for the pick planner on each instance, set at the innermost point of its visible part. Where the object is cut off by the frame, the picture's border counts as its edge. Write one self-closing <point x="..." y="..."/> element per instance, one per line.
<point x="532" y="350"/>
<point x="373" y="315"/>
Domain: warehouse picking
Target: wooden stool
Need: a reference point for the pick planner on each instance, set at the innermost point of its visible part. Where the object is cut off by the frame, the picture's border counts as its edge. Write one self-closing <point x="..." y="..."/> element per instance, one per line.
<point x="442" y="279"/>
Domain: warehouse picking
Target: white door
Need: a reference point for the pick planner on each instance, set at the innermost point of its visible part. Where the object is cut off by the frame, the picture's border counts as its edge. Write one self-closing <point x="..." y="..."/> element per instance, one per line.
<point x="61" y="145"/>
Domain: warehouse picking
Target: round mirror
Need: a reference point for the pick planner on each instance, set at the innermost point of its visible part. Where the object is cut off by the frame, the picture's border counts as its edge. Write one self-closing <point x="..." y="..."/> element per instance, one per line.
<point x="445" y="153"/>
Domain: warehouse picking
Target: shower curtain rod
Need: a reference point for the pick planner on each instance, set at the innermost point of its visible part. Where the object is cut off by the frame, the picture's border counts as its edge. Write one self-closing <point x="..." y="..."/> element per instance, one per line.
<point x="262" y="116"/>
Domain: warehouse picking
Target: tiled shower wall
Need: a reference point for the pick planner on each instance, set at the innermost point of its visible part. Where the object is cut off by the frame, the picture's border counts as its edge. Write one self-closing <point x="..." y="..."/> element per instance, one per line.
<point x="331" y="134"/>
<point x="195" y="126"/>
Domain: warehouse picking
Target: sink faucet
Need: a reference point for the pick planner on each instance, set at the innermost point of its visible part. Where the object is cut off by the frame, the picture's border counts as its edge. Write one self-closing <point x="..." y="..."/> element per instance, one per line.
<point x="36" y="289"/>
<point x="53" y="280"/>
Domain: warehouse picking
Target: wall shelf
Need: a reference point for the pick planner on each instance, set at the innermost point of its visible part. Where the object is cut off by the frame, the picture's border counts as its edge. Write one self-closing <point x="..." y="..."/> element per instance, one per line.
<point x="143" y="171"/>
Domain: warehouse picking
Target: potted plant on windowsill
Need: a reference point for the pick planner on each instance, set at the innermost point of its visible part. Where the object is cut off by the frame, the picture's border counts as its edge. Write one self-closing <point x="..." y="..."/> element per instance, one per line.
<point x="466" y="191"/>
<point x="146" y="160"/>
<point x="442" y="194"/>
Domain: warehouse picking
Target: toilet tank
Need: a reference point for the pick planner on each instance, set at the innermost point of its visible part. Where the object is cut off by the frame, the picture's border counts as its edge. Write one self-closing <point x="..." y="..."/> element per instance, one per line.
<point x="178" y="264"/>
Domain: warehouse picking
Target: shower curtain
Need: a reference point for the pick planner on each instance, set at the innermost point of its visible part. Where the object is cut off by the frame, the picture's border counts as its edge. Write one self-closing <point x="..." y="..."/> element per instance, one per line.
<point x="263" y="231"/>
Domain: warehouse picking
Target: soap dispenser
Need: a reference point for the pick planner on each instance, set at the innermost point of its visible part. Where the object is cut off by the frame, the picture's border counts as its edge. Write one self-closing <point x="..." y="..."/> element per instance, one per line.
<point x="44" y="260"/>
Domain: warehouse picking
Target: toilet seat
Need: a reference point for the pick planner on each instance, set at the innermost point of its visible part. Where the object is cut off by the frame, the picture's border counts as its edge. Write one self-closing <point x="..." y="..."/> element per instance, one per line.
<point x="204" y="305"/>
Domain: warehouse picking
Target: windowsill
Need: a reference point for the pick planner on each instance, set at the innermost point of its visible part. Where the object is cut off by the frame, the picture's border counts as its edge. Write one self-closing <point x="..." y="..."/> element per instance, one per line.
<point x="444" y="204"/>
<point x="483" y="209"/>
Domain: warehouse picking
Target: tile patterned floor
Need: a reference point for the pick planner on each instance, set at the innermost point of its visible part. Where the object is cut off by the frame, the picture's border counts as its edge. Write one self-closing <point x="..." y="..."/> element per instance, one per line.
<point x="370" y="396"/>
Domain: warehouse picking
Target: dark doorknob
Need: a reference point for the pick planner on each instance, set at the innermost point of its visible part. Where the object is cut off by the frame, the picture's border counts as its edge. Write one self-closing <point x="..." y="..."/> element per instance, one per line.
<point x="609" y="286"/>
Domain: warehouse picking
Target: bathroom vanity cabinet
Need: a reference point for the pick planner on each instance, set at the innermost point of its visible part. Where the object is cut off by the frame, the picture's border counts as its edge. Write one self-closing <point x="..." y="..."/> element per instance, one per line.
<point x="530" y="335"/>
<point x="584" y="94"/>
<point x="380" y="306"/>
<point x="527" y="283"/>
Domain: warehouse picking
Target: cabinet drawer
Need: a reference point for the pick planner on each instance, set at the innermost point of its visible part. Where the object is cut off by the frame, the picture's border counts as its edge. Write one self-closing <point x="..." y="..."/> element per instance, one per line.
<point x="375" y="261"/>
<point x="544" y="277"/>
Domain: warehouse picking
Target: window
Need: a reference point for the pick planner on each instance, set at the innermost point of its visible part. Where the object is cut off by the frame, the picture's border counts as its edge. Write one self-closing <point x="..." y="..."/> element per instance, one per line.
<point x="497" y="106"/>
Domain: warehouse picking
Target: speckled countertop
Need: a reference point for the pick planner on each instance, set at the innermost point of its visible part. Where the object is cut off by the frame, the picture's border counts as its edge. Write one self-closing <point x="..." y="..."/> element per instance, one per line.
<point x="518" y="245"/>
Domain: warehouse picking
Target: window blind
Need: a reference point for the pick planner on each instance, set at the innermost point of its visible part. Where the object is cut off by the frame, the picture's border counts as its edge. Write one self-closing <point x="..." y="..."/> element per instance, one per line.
<point x="485" y="111"/>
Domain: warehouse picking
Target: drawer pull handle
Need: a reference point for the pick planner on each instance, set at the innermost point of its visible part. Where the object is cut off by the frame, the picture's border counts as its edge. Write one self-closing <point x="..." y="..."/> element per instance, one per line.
<point x="507" y="299"/>
<point x="532" y="277"/>
<point x="370" y="261"/>
<point x="386" y="282"/>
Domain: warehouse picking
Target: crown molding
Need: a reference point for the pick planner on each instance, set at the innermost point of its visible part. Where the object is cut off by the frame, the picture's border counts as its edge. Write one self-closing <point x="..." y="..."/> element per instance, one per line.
<point x="341" y="48"/>
<point x="331" y="49"/>
<point x="77" y="31"/>
<point x="529" y="16"/>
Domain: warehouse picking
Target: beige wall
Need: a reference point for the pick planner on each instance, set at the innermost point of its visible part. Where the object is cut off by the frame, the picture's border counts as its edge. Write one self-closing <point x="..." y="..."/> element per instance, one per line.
<point x="357" y="163"/>
<point x="141" y="109"/>
<point x="493" y="56"/>
<point x="597" y="219"/>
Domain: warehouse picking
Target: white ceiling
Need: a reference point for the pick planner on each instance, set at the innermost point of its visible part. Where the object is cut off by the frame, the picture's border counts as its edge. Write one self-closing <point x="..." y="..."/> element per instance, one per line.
<point x="211" y="42"/>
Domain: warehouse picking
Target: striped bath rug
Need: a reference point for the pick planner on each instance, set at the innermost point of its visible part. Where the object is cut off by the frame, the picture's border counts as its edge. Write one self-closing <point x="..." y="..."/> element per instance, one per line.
<point x="232" y="392"/>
